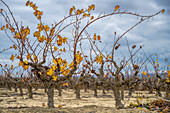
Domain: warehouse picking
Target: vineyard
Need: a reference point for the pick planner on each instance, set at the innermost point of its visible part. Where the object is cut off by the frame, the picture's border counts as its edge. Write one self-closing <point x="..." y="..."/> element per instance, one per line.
<point x="53" y="71"/>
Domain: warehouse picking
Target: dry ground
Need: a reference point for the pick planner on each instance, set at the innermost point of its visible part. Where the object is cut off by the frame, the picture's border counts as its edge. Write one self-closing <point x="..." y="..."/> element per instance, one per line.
<point x="12" y="102"/>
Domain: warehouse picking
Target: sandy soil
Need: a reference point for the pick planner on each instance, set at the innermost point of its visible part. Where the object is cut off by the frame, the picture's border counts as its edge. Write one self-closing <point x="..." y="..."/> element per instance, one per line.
<point x="12" y="102"/>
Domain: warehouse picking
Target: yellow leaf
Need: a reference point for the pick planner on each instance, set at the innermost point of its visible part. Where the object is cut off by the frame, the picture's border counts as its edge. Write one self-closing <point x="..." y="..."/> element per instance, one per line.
<point x="61" y="50"/>
<point x="2" y="28"/>
<point x="55" y="48"/>
<point x="64" y="40"/>
<point x="25" y="67"/>
<point x="15" y="47"/>
<point x="144" y="73"/>
<point x="20" y="63"/>
<point x="62" y="68"/>
<point x="53" y="67"/>
<point x="40" y="13"/>
<point x="74" y="8"/>
<point x="35" y="8"/>
<point x="100" y="59"/>
<point x="43" y="37"/>
<point x="78" y="12"/>
<point x="36" y="34"/>
<point x="85" y="14"/>
<point x="7" y="26"/>
<point x="26" y="62"/>
<point x="117" y="7"/>
<point x="27" y="30"/>
<point x="35" y="13"/>
<point x="169" y="72"/>
<point x="18" y="57"/>
<point x="59" y="36"/>
<point x="92" y="17"/>
<point x="98" y="37"/>
<point x="94" y="36"/>
<point x="59" y="60"/>
<point x="12" y="29"/>
<point x="89" y="9"/>
<point x="11" y="67"/>
<point x="93" y="6"/>
<point x="52" y="31"/>
<point x="46" y="28"/>
<point x="67" y="70"/>
<point x="12" y="57"/>
<point x="48" y="40"/>
<point x="39" y="17"/>
<point x="54" y="77"/>
<point x="6" y="74"/>
<point x="59" y="42"/>
<point x="71" y="65"/>
<point x="65" y="63"/>
<point x="59" y="106"/>
<point x="27" y="3"/>
<point x="31" y="4"/>
<point x="17" y="35"/>
<point x="50" y="72"/>
<point x="163" y="10"/>
<point x="71" y="11"/>
<point x="43" y="104"/>
<point x="28" y="56"/>
<point x="1" y="10"/>
<point x="88" y="15"/>
<point x="82" y="10"/>
<point x="35" y="58"/>
<point x="96" y="59"/>
<point x="64" y="50"/>
<point x="65" y="84"/>
<point x="55" y="62"/>
<point x="127" y="63"/>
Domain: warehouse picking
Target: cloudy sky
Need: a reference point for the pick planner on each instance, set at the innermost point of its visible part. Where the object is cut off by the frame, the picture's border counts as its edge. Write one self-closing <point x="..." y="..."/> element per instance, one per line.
<point x="154" y="33"/>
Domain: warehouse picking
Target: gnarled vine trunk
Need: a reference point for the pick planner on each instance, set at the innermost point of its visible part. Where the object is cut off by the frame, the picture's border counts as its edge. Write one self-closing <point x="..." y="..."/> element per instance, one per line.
<point x="77" y="92"/>
<point x="95" y="90"/>
<point x="116" y="90"/>
<point x="158" y="92"/>
<point x="117" y="97"/>
<point x="103" y="90"/>
<point x="59" y="90"/>
<point x="30" y="93"/>
<point x="150" y="90"/>
<point x="50" y="94"/>
<point x="85" y="87"/>
<point x="122" y="93"/>
<point x="15" y="87"/>
<point x="130" y="91"/>
<point x="168" y="91"/>
<point x="9" y="85"/>
<point x="45" y="87"/>
<point x="20" y="89"/>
